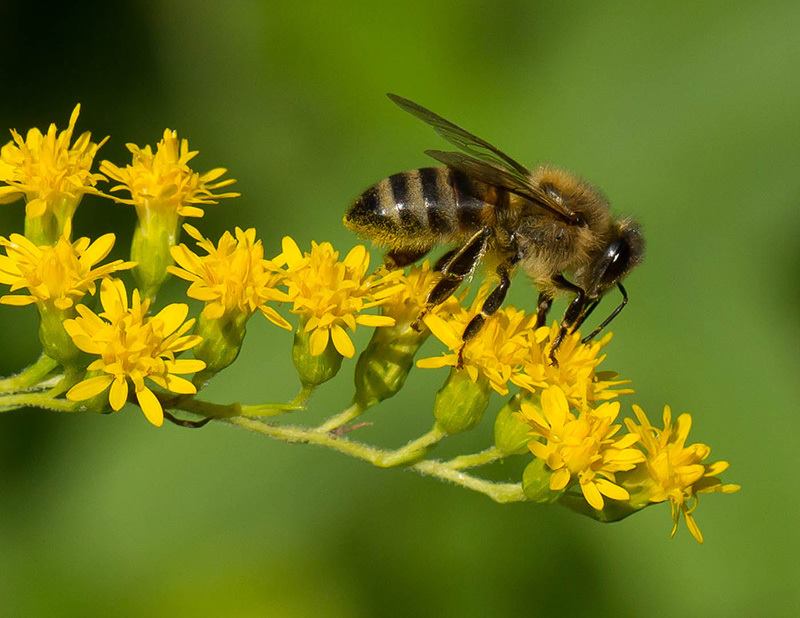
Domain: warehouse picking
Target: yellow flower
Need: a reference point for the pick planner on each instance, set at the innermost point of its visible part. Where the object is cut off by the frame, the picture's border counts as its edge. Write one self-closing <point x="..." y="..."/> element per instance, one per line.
<point x="576" y="373"/>
<point x="674" y="471"/>
<point x="164" y="180"/>
<point x="411" y="298"/>
<point x="582" y="447"/>
<point x="51" y="173"/>
<point x="496" y="352"/>
<point x="232" y="277"/>
<point x="330" y="294"/>
<point x="60" y="274"/>
<point x="132" y="346"/>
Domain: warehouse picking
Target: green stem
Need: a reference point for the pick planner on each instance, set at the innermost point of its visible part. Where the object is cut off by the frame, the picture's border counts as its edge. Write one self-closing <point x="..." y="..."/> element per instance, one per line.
<point x="474" y="460"/>
<point x="28" y="377"/>
<point x="411" y="452"/>
<point x="344" y="417"/>
<point x="37" y="400"/>
<point x="499" y="492"/>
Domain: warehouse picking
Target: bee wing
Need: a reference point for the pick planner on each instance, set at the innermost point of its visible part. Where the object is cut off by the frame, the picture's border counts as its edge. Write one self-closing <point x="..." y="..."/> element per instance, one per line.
<point x="500" y="177"/>
<point x="466" y="141"/>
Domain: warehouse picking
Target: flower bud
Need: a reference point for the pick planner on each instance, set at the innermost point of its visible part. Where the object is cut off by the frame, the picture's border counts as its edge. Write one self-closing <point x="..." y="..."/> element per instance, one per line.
<point x="383" y="366"/>
<point x="155" y="234"/>
<point x="511" y="433"/>
<point x="536" y="483"/>
<point x="460" y="403"/>
<point x="222" y="341"/>
<point x="314" y="370"/>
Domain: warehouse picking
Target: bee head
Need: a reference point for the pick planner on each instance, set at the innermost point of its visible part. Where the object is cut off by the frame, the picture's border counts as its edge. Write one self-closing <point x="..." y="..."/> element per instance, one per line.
<point x="618" y="258"/>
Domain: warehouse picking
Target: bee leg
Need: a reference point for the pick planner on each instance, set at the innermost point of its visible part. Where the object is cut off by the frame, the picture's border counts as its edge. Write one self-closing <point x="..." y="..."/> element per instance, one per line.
<point x="398" y="258"/>
<point x="490" y="306"/>
<point x="456" y="270"/>
<point x="587" y="311"/>
<point x="443" y="261"/>
<point x="543" y="305"/>
<point x="607" y="321"/>
<point x="571" y="315"/>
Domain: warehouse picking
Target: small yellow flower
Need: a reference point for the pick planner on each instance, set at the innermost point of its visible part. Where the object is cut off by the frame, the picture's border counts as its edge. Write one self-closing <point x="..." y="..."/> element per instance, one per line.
<point x="330" y="294"/>
<point x="410" y="299"/>
<point x="582" y="447"/>
<point x="51" y="173"/>
<point x="232" y="277"/>
<point x="496" y="352"/>
<point x="576" y="373"/>
<point x="164" y="180"/>
<point x="674" y="471"/>
<point x="132" y="346"/>
<point x="58" y="275"/>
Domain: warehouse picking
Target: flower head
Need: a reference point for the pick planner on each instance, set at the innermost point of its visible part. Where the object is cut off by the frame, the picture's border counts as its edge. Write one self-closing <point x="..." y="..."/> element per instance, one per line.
<point x="576" y="373"/>
<point x="496" y="352"/>
<point x="583" y="448"/>
<point x="60" y="274"/>
<point x="132" y="346"/>
<point x="232" y="277"/>
<point x="331" y="294"/>
<point x="51" y="173"/>
<point x="164" y="180"/>
<point x="674" y="471"/>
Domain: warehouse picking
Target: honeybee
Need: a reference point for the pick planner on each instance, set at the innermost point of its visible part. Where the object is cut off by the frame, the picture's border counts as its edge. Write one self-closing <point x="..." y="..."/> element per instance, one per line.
<point x="545" y="221"/>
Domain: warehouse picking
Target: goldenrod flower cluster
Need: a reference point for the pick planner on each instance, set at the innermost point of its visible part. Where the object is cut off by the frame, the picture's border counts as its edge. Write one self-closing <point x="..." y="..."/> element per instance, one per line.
<point x="565" y="417"/>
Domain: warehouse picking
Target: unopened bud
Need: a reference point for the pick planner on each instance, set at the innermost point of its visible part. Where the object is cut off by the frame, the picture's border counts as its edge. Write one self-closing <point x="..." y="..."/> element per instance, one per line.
<point x="383" y="366"/>
<point x="511" y="433"/>
<point x="460" y="403"/>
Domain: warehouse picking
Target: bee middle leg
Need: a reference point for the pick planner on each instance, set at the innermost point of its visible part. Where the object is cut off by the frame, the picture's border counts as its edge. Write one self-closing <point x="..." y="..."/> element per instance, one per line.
<point x="571" y="316"/>
<point x="455" y="271"/>
<point x="492" y="303"/>
<point x="543" y="305"/>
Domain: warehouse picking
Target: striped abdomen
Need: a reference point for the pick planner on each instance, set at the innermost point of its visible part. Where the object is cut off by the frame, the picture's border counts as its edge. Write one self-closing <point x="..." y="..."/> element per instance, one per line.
<point x="427" y="205"/>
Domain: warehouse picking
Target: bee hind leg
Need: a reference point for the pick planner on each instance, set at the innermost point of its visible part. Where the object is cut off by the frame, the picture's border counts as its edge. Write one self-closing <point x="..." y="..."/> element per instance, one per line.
<point x="543" y="304"/>
<point x="454" y="272"/>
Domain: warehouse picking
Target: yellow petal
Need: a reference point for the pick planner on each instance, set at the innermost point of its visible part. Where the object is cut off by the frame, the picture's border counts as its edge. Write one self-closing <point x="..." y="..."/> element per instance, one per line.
<point x="151" y="406"/>
<point x="179" y="385"/>
<point x="375" y="320"/>
<point x="35" y="208"/>
<point x="291" y="252"/>
<point x="559" y="479"/>
<point x="89" y="388"/>
<point x="615" y="492"/>
<point x="185" y="365"/>
<point x="318" y="341"/>
<point x="17" y="301"/>
<point x="342" y="342"/>
<point x="592" y="495"/>
<point x="443" y="331"/>
<point x="172" y="316"/>
<point x="119" y="393"/>
<point x="275" y="317"/>
<point x="693" y="527"/>
<point x="98" y="250"/>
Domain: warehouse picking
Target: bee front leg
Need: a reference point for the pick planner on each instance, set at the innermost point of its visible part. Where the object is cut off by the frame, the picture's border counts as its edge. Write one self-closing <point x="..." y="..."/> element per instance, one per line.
<point x="543" y="305"/>
<point x="571" y="315"/>
<point x="455" y="271"/>
<point x="492" y="303"/>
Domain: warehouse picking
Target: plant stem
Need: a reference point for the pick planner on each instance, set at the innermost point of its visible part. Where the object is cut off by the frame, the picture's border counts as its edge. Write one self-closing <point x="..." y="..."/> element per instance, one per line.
<point x="499" y="492"/>
<point x="474" y="460"/>
<point x="344" y="417"/>
<point x="28" y="377"/>
<point x="37" y="400"/>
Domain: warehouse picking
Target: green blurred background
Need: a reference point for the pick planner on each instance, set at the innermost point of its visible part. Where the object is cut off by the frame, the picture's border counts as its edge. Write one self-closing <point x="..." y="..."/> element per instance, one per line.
<point x="686" y="115"/>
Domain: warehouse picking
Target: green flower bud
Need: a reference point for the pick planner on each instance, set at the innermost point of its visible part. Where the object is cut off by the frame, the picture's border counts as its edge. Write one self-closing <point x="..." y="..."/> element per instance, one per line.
<point x="222" y="342"/>
<point x="56" y="343"/>
<point x="511" y="433"/>
<point x="383" y="366"/>
<point x="536" y="483"/>
<point x="156" y="232"/>
<point x="460" y="403"/>
<point x="314" y="370"/>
